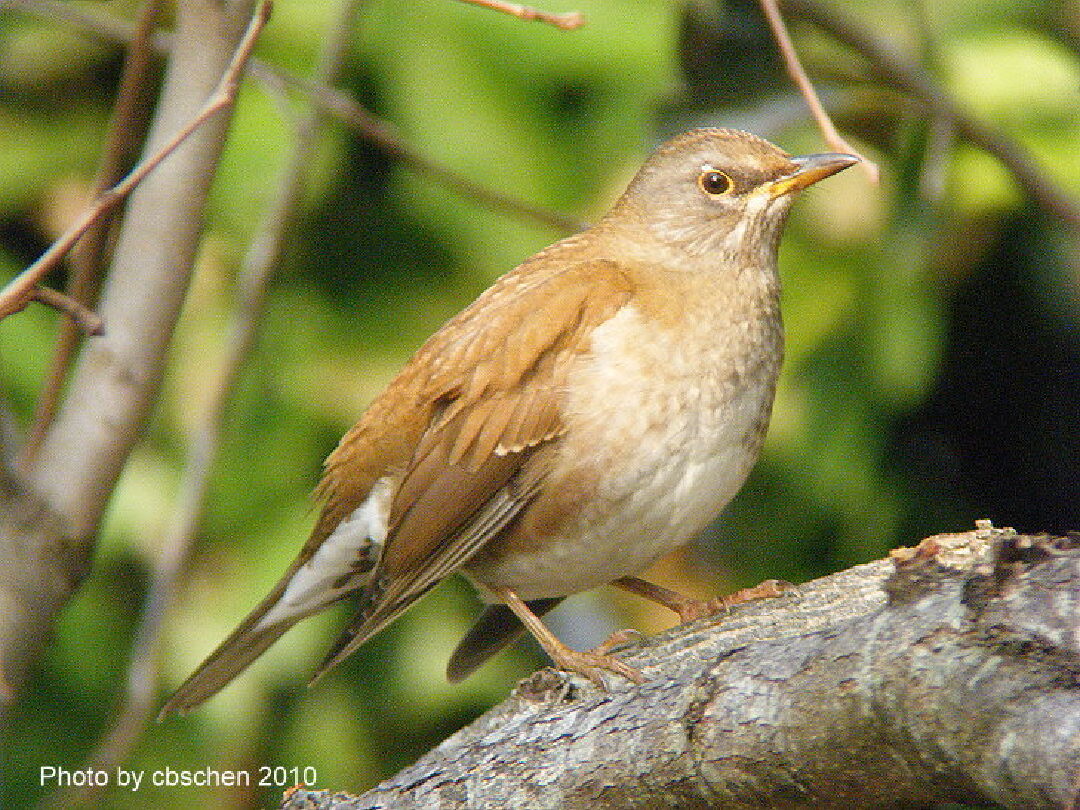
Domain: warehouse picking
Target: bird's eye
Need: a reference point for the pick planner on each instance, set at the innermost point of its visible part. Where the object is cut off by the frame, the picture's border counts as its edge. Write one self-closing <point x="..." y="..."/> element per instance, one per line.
<point x="714" y="182"/>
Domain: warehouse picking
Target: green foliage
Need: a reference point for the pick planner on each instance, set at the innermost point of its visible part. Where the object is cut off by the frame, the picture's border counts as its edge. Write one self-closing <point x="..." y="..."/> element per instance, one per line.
<point x="382" y="255"/>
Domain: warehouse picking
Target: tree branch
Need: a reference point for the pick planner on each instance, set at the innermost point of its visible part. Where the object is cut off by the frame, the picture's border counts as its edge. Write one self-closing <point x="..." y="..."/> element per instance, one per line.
<point x="795" y="70"/>
<point x="90" y="254"/>
<point x="20" y="289"/>
<point x="260" y="263"/>
<point x="332" y="102"/>
<point x="47" y="527"/>
<point x="80" y="316"/>
<point x="567" y="22"/>
<point x="338" y="104"/>
<point x="890" y="67"/>
<point x="948" y="673"/>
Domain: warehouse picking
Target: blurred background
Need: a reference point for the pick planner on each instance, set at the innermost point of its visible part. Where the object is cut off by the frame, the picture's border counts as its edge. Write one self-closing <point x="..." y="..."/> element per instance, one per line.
<point x="933" y="352"/>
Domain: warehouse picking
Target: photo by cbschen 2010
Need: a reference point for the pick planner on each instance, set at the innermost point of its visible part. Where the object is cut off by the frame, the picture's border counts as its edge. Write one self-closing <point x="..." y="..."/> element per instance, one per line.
<point x="134" y="779"/>
<point x="593" y="409"/>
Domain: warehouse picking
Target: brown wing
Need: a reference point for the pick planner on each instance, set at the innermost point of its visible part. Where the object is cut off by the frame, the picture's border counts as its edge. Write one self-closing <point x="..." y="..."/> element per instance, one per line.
<point x="498" y="373"/>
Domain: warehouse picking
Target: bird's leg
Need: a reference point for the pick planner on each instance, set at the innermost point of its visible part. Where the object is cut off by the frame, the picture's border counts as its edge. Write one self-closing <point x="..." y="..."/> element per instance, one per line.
<point x="690" y="609"/>
<point x="587" y="663"/>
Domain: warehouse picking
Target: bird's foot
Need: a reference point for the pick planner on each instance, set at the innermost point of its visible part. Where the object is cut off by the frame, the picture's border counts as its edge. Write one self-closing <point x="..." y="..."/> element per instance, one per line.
<point x="689" y="609"/>
<point x="590" y="663"/>
<point x="617" y="639"/>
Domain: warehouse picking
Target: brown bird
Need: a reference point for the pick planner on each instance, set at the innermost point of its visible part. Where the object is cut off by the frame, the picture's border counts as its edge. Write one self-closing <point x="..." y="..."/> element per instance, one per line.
<point x="594" y="409"/>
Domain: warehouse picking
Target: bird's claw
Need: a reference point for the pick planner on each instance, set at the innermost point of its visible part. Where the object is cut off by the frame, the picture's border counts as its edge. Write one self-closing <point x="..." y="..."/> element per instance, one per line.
<point x="617" y="639"/>
<point x="589" y="664"/>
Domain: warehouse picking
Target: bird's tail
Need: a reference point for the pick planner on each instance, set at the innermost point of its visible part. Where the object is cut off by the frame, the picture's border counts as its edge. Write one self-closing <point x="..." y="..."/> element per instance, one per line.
<point x="246" y="643"/>
<point x="496" y="627"/>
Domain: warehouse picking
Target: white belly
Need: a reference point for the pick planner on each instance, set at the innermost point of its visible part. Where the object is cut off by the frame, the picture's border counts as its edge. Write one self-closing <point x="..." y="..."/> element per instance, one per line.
<point x="670" y="453"/>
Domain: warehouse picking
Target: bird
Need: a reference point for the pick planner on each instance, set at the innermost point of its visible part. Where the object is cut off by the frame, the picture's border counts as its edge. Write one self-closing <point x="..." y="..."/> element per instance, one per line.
<point x="595" y="408"/>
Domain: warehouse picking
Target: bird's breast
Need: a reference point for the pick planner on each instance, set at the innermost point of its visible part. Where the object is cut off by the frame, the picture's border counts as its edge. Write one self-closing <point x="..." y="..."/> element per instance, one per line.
<point x="662" y="427"/>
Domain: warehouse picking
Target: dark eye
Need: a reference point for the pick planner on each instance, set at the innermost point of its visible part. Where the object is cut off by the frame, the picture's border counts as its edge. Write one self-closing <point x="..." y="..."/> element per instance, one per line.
<point x="714" y="182"/>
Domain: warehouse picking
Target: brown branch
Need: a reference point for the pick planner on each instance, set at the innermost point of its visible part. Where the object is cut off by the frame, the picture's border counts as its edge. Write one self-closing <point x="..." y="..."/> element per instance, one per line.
<point x="829" y="132"/>
<point x="48" y="521"/>
<point x="332" y="102"/>
<point x="889" y="66"/>
<point x="89" y="255"/>
<point x="567" y="21"/>
<point x="80" y="315"/>
<point x="262" y="260"/>
<point x="22" y="286"/>
<point x="946" y="674"/>
<point x="341" y="106"/>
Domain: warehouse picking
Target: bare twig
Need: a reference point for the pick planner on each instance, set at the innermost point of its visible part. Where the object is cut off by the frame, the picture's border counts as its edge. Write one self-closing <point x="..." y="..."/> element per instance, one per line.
<point x="13" y="296"/>
<point x="117" y="379"/>
<point x="261" y="261"/>
<point x="567" y="22"/>
<point x="886" y="63"/>
<point x="330" y="101"/>
<point x="81" y="315"/>
<point x="890" y="67"/>
<point x="340" y="105"/>
<point x="798" y="75"/>
<point x="89" y="254"/>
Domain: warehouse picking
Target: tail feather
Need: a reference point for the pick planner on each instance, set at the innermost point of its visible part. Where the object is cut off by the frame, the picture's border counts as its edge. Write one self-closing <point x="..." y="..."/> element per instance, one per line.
<point x="231" y="658"/>
<point x="375" y="613"/>
<point x="337" y="560"/>
<point x="349" y="639"/>
<point x="496" y="628"/>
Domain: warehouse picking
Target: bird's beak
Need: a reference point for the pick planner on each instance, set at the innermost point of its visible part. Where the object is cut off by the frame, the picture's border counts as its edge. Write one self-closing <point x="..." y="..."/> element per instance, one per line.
<point x="809" y="169"/>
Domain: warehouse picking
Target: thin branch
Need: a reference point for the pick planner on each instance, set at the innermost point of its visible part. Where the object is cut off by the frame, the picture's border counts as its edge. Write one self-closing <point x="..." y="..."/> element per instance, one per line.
<point x="567" y="21"/>
<point x="890" y="67"/>
<point x="798" y="75"/>
<point x="89" y="255"/>
<point x="13" y="296"/>
<point x="340" y="105"/>
<point x="113" y="386"/>
<point x="261" y="261"/>
<point x="332" y="102"/>
<point x="81" y="316"/>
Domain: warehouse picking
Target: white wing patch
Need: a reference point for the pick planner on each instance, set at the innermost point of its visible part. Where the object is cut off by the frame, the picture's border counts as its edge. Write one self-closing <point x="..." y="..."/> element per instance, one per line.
<point x="332" y="570"/>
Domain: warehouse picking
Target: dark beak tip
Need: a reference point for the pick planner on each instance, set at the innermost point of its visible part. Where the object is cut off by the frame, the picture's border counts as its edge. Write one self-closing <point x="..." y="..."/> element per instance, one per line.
<point x="821" y="160"/>
<point x="810" y="169"/>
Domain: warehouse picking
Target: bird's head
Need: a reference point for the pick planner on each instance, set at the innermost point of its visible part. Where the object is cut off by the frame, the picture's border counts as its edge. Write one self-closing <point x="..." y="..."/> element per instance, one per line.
<point x="720" y="191"/>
